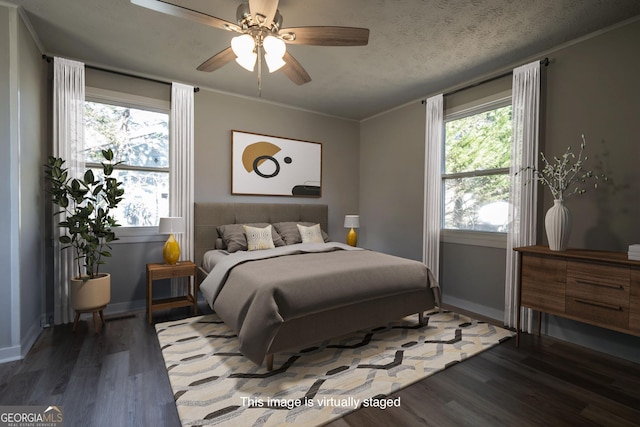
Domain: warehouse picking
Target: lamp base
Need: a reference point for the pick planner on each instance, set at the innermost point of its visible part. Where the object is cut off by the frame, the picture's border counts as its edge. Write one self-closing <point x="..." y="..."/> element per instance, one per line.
<point x="352" y="238"/>
<point x="171" y="251"/>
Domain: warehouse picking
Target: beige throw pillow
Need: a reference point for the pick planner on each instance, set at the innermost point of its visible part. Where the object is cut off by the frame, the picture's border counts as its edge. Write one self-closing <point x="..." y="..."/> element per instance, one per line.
<point x="258" y="238"/>
<point x="311" y="234"/>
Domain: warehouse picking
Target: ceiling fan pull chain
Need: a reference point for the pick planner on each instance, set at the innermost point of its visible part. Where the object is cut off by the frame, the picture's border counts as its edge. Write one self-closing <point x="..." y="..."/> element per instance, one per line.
<point x="258" y="48"/>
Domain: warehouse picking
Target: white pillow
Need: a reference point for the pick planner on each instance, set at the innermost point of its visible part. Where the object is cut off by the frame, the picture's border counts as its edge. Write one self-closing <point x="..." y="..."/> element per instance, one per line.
<point x="311" y="234"/>
<point x="258" y="238"/>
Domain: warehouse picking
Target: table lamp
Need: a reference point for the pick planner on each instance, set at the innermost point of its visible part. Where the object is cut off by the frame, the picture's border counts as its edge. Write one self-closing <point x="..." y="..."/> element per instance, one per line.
<point x="352" y="221"/>
<point x="171" y="226"/>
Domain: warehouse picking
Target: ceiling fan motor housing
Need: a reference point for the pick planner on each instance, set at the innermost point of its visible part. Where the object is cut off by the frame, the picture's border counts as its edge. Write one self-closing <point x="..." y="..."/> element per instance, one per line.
<point x="243" y="14"/>
<point x="245" y="20"/>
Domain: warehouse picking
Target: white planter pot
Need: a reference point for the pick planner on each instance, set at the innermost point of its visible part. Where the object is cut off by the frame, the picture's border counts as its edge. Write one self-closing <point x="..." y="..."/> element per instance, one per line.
<point x="93" y="293"/>
<point x="557" y="223"/>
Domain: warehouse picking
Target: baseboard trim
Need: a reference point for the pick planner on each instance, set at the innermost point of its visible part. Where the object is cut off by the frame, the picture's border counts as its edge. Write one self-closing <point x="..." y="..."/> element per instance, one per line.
<point x="10" y="354"/>
<point x="19" y="352"/>
<point x="492" y="314"/>
<point x="30" y="338"/>
<point x="120" y="308"/>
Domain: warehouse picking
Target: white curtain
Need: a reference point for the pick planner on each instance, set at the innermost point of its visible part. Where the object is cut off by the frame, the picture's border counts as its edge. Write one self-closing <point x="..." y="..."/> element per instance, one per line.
<point x="434" y="132"/>
<point x="68" y="143"/>
<point x="181" y="165"/>
<point x="522" y="212"/>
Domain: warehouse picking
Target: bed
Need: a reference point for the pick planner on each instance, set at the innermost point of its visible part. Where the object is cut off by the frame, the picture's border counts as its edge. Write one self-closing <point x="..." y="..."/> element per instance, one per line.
<point x="298" y="294"/>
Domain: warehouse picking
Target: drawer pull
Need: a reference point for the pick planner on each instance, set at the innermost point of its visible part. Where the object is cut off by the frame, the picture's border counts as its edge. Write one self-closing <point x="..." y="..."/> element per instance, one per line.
<point x="602" y="285"/>
<point x="599" y="304"/>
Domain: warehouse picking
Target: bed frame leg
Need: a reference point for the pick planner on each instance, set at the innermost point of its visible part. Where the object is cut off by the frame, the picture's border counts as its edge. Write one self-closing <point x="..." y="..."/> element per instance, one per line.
<point x="420" y="317"/>
<point x="269" y="360"/>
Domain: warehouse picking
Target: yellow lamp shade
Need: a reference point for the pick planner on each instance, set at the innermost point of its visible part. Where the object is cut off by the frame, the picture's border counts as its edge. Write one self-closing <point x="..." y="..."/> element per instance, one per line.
<point x="171" y="251"/>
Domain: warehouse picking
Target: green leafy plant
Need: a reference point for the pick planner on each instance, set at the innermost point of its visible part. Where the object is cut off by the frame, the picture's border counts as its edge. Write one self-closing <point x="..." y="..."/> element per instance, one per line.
<point x="565" y="175"/>
<point x="87" y="203"/>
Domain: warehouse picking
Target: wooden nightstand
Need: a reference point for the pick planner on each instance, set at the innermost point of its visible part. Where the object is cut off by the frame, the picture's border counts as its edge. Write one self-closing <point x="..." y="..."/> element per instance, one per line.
<point x="165" y="271"/>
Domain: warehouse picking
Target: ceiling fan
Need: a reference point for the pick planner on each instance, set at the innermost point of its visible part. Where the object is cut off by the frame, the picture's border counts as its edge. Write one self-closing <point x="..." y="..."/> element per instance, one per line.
<point x="259" y="25"/>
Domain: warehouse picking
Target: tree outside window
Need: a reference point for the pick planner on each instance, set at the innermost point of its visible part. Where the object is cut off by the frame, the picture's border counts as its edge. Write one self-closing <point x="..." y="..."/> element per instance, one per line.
<point x="139" y="139"/>
<point x="477" y="154"/>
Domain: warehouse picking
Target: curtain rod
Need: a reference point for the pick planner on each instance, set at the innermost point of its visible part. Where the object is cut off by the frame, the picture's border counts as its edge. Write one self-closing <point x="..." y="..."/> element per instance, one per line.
<point x="544" y="62"/>
<point x="121" y="73"/>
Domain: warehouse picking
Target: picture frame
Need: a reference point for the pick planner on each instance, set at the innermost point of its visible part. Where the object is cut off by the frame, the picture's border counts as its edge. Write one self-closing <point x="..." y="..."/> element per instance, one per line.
<point x="265" y="165"/>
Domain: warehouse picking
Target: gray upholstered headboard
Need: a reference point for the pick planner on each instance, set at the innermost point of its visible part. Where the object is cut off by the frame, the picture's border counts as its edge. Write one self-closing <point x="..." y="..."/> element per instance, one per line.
<point x="207" y="216"/>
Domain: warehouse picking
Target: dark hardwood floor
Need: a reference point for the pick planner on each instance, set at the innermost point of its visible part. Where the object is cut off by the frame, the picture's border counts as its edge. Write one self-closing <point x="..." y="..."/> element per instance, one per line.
<point x="118" y="378"/>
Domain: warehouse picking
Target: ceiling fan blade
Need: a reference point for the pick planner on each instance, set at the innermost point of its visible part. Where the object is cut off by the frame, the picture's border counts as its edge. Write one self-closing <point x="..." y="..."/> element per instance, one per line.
<point x="186" y="13"/>
<point x="218" y="60"/>
<point x="326" y="36"/>
<point x="294" y="70"/>
<point x="263" y="11"/>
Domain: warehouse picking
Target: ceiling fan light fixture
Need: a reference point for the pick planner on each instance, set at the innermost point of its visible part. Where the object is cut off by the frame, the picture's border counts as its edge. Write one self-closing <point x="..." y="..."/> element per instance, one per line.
<point x="243" y="45"/>
<point x="274" y="46"/>
<point x="274" y="50"/>
<point x="273" y="62"/>
<point x="247" y="61"/>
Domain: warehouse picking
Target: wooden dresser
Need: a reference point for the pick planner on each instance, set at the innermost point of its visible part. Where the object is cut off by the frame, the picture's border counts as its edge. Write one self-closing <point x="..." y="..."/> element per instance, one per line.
<point x="596" y="287"/>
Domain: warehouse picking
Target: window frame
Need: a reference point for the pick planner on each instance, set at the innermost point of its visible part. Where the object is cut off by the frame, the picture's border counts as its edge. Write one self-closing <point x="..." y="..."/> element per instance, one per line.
<point x="493" y="239"/>
<point x="129" y="234"/>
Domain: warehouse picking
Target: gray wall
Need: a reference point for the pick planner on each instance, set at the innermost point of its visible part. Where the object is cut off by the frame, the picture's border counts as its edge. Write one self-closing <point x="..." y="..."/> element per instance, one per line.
<point x="22" y="95"/>
<point x="5" y="183"/>
<point x="591" y="88"/>
<point x="472" y="277"/>
<point x="33" y="105"/>
<point x="392" y="181"/>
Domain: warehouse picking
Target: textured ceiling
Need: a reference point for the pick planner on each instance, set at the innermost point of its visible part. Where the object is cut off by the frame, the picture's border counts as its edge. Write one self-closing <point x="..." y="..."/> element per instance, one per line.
<point x="416" y="47"/>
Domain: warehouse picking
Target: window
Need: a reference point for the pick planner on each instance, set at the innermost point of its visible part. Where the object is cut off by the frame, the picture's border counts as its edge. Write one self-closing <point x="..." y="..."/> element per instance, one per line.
<point x="139" y="138"/>
<point x="477" y="153"/>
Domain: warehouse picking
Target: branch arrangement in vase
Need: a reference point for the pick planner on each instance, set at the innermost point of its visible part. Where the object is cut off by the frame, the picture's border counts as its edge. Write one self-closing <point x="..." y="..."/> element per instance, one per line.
<point x="87" y="203"/>
<point x="565" y="175"/>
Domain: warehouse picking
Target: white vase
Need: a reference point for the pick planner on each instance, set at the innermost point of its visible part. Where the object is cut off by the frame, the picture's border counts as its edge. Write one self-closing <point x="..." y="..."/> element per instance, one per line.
<point x="557" y="223"/>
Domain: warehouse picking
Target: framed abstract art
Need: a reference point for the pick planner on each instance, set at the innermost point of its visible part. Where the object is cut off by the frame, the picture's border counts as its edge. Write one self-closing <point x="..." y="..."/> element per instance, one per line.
<point x="272" y="166"/>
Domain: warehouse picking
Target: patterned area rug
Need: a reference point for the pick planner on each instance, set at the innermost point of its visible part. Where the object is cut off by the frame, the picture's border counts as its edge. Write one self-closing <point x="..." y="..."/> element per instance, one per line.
<point x="214" y="384"/>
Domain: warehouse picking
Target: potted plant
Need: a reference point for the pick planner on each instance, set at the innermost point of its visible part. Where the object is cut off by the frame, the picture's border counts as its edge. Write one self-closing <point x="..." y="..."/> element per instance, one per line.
<point x="564" y="177"/>
<point x="88" y="226"/>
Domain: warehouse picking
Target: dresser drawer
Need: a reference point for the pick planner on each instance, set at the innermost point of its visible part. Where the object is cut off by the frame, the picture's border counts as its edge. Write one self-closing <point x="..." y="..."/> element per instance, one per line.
<point x="634" y="301"/>
<point x="605" y="284"/>
<point x="597" y="312"/>
<point x="598" y="293"/>
<point x="543" y="283"/>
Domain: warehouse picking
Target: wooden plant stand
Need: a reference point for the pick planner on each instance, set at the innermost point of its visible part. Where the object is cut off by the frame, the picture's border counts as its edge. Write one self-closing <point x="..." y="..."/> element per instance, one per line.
<point x="95" y="311"/>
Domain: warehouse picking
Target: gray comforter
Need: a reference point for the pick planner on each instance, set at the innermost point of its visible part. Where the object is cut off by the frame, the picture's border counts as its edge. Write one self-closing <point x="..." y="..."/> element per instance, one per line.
<point x="255" y="292"/>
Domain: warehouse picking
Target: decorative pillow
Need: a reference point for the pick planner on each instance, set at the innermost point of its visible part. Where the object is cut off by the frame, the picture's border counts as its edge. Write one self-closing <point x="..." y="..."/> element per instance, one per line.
<point x="290" y="233"/>
<point x="258" y="238"/>
<point x="311" y="234"/>
<point x="235" y="240"/>
<point x="220" y="244"/>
